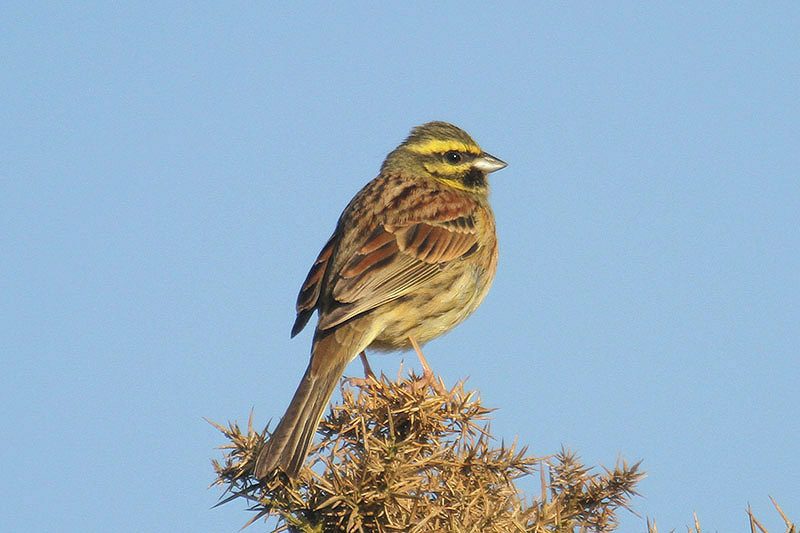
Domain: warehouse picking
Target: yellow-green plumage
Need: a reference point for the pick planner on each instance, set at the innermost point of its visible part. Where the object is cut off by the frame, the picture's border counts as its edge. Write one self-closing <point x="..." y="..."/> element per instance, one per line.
<point x="412" y="256"/>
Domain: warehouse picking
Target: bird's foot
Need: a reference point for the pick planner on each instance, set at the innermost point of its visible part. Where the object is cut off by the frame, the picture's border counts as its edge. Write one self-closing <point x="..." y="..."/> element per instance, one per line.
<point x="428" y="379"/>
<point x="369" y="376"/>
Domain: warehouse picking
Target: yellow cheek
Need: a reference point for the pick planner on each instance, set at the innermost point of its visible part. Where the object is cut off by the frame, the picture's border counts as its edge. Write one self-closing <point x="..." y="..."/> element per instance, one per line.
<point x="442" y="169"/>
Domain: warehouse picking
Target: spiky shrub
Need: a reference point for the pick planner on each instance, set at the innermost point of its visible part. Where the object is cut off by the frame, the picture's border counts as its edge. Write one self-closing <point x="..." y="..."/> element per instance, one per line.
<point x="407" y="456"/>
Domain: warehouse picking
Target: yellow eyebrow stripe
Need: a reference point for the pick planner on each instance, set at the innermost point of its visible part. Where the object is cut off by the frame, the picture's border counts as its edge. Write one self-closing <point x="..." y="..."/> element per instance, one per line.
<point x="438" y="146"/>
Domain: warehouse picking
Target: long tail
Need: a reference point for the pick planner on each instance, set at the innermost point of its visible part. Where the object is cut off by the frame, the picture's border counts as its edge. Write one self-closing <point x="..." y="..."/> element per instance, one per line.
<point x="288" y="446"/>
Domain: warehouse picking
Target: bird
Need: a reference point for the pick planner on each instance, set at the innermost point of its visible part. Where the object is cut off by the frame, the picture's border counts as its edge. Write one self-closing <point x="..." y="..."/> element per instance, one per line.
<point x="413" y="254"/>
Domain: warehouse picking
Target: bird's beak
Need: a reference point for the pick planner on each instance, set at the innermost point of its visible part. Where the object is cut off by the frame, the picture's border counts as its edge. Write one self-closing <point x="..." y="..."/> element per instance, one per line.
<point x="488" y="163"/>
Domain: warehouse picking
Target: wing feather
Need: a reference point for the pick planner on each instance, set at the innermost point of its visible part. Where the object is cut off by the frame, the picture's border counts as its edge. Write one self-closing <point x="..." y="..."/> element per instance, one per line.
<point x="309" y="293"/>
<point x="415" y="237"/>
<point x="398" y="258"/>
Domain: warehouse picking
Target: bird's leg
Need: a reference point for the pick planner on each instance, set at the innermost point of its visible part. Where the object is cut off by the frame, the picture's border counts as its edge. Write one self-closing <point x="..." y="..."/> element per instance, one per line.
<point x="428" y="377"/>
<point x="368" y="375"/>
<point x="367" y="369"/>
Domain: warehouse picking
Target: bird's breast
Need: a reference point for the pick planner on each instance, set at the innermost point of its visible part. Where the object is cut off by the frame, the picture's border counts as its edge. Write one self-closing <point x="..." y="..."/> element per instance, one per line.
<point x="434" y="309"/>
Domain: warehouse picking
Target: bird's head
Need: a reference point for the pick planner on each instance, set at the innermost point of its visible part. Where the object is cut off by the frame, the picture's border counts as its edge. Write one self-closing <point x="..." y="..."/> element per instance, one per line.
<point x="446" y="153"/>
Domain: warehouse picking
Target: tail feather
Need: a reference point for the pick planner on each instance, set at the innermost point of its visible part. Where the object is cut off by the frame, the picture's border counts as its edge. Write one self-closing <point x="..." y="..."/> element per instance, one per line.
<point x="288" y="446"/>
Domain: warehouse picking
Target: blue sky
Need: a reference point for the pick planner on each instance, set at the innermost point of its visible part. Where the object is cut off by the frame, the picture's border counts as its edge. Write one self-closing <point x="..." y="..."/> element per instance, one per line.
<point x="168" y="172"/>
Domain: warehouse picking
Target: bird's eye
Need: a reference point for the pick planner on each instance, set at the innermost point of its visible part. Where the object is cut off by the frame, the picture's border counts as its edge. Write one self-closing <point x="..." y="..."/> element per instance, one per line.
<point x="453" y="157"/>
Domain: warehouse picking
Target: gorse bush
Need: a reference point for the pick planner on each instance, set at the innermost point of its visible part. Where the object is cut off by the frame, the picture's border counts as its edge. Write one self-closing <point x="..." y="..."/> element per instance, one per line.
<point x="409" y="455"/>
<point x="405" y="455"/>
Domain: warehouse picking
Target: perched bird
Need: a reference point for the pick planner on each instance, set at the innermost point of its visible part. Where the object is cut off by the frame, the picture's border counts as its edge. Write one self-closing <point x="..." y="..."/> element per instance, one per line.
<point x="413" y="255"/>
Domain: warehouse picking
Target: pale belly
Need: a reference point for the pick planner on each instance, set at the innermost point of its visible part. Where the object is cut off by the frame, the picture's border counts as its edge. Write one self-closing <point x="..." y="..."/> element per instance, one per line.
<point x="430" y="311"/>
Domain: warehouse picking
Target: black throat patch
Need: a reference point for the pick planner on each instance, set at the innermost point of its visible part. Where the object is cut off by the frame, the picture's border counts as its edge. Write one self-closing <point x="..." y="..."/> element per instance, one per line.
<point x="474" y="179"/>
